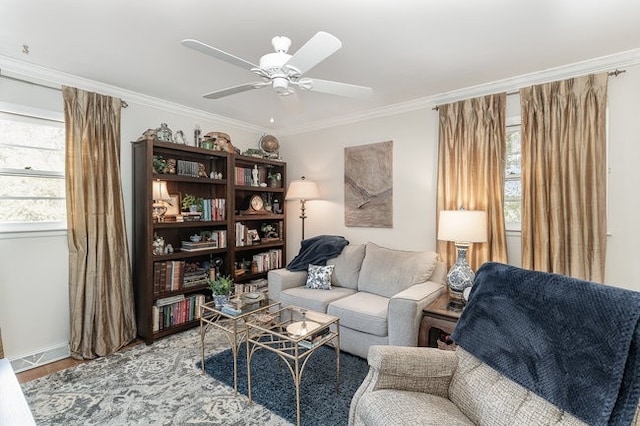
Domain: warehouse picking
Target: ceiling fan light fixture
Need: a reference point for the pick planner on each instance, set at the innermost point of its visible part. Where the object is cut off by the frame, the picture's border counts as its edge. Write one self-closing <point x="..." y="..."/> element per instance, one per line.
<point x="281" y="86"/>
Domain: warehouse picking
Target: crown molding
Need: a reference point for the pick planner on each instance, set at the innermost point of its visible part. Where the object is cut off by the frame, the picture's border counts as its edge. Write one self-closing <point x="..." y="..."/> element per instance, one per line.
<point x="56" y="79"/>
<point x="600" y="64"/>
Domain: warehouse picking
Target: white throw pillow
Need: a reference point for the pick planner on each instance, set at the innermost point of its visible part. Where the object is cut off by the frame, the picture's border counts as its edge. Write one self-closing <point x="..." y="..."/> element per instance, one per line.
<point x="319" y="277"/>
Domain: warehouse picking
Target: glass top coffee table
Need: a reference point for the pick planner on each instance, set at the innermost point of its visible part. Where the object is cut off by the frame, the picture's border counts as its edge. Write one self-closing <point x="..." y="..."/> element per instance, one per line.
<point x="232" y="319"/>
<point x="294" y="335"/>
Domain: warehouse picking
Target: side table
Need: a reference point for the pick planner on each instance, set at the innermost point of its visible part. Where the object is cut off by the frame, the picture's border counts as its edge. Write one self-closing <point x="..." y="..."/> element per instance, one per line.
<point x="437" y="316"/>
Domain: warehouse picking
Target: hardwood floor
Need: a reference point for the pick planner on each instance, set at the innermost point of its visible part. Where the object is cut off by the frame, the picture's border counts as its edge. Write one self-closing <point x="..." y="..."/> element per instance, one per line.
<point x="63" y="364"/>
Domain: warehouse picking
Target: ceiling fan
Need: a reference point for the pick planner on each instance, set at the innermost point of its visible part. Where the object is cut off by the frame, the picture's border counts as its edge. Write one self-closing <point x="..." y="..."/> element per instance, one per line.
<point x="282" y="71"/>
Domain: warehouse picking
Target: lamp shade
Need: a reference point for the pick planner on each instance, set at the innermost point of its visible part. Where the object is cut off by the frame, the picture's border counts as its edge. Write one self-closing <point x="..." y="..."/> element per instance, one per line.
<point x="463" y="226"/>
<point x="302" y="190"/>
<point x="159" y="190"/>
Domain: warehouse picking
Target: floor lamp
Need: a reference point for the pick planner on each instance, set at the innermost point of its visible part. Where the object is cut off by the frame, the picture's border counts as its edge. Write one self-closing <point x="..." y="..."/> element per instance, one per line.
<point x="463" y="227"/>
<point x="303" y="190"/>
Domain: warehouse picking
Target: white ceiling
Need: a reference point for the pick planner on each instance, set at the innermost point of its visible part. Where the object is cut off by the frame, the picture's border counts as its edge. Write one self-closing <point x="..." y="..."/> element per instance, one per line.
<point x="404" y="49"/>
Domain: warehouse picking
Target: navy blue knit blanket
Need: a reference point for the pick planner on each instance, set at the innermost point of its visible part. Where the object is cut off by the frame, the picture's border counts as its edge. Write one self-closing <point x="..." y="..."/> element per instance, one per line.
<point x="574" y="343"/>
<point x="317" y="251"/>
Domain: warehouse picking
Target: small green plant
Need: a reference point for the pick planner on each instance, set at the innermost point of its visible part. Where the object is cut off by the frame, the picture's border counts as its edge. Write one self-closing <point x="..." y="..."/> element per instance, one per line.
<point x="191" y="200"/>
<point x="221" y="286"/>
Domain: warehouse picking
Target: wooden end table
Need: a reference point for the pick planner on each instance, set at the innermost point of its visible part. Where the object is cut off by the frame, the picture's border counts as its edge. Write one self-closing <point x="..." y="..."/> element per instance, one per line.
<point x="437" y="316"/>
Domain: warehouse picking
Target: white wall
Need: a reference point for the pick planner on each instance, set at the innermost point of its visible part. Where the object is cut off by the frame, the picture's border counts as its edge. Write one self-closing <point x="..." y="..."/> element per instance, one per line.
<point x="319" y="155"/>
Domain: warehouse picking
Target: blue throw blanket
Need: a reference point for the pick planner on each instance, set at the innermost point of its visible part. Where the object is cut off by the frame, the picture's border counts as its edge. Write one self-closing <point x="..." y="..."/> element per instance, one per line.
<point x="317" y="251"/>
<point x="572" y="342"/>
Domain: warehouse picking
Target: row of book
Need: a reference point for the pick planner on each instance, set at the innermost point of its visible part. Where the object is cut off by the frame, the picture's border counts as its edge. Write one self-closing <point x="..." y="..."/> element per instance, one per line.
<point x="214" y="209"/>
<point x="176" y="310"/>
<point x="266" y="261"/>
<point x="176" y="274"/>
<point x="244" y="176"/>
<point x="188" y="168"/>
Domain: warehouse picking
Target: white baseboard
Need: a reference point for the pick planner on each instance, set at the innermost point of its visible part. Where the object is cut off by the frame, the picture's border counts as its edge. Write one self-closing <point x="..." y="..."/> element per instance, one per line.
<point x="40" y="358"/>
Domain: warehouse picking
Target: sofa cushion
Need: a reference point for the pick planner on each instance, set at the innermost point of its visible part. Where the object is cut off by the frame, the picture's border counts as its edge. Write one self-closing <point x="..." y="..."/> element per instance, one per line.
<point x="365" y="312"/>
<point x="319" y="277"/>
<point x="316" y="300"/>
<point x="386" y="272"/>
<point x="347" y="266"/>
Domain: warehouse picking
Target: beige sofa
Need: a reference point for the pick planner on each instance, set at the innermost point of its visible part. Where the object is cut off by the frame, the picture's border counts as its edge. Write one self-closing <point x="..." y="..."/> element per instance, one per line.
<point x="378" y="294"/>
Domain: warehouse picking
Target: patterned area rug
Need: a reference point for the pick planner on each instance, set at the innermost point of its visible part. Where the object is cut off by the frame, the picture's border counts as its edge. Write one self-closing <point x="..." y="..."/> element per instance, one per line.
<point x="158" y="384"/>
<point x="272" y="383"/>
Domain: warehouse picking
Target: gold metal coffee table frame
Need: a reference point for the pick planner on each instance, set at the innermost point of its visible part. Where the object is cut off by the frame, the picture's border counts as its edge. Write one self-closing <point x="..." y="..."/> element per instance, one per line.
<point x="233" y="326"/>
<point x="294" y="350"/>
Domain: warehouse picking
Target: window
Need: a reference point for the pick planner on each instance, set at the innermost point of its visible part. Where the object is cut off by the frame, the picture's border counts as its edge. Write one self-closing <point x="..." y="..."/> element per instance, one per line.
<point x="513" y="180"/>
<point x="32" y="162"/>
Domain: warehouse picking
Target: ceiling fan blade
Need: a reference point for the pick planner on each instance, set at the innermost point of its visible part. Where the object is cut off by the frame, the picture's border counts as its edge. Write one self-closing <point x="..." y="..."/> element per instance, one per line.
<point x="217" y="53"/>
<point x="317" y="49"/>
<point x="235" y="89"/>
<point x="335" y="88"/>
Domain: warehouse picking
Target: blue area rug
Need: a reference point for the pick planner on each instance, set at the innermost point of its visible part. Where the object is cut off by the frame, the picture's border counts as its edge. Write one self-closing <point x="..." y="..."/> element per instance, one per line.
<point x="272" y="383"/>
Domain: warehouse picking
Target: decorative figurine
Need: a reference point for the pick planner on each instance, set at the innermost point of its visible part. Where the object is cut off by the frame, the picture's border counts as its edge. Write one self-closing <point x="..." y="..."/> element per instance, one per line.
<point x="164" y="134"/>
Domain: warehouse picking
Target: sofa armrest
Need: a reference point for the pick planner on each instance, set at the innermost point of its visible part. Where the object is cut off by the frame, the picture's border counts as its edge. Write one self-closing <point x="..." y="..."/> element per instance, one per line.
<point x="282" y="279"/>
<point x="425" y="370"/>
<point x="405" y="312"/>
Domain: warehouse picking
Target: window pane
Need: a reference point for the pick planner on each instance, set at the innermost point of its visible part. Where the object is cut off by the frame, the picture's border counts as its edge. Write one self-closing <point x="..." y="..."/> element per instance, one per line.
<point x="513" y="160"/>
<point x="16" y="211"/>
<point x="29" y="186"/>
<point x="513" y="189"/>
<point x="28" y="143"/>
<point x="512" y="211"/>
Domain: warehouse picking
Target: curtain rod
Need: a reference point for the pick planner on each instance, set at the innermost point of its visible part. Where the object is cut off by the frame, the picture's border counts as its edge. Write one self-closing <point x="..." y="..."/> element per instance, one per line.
<point x="123" y="102"/>
<point x="614" y="73"/>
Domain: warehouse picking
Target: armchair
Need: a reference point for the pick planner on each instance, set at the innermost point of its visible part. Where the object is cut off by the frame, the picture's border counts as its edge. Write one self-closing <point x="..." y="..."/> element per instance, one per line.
<point x="533" y="349"/>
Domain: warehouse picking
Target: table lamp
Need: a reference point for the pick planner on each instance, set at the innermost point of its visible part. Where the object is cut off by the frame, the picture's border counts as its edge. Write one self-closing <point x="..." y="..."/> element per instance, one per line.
<point x="160" y="194"/>
<point x="463" y="227"/>
<point x="303" y="190"/>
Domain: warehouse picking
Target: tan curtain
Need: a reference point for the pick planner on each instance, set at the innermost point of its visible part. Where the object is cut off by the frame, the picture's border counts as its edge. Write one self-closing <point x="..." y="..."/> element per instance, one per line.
<point x="100" y="285"/>
<point x="471" y="171"/>
<point x="564" y="177"/>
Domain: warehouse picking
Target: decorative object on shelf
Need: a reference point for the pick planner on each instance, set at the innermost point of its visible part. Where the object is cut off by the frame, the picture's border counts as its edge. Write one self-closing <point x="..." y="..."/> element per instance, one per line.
<point x="254" y="204"/>
<point x="179" y="137"/>
<point x="271" y="146"/>
<point x="269" y="231"/>
<point x="276" y="207"/>
<point x="221" y="287"/>
<point x="149" y="135"/>
<point x="158" y="245"/>
<point x="202" y="171"/>
<point x="160" y="165"/>
<point x="254" y="176"/>
<point x="171" y="166"/>
<point x="463" y="227"/>
<point x="253" y="152"/>
<point x="191" y="203"/>
<point x="160" y="196"/>
<point x="164" y="133"/>
<point x="196" y="135"/>
<point x="274" y="179"/>
<point x="303" y="190"/>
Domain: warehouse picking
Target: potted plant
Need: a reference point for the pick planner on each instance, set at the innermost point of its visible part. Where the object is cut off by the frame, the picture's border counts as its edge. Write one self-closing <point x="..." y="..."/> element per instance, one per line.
<point x="191" y="203"/>
<point x="274" y="178"/>
<point x="221" y="287"/>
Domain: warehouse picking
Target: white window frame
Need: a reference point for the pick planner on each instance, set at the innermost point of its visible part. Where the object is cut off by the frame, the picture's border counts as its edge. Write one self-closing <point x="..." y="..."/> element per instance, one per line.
<point x="513" y="227"/>
<point x="9" y="230"/>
